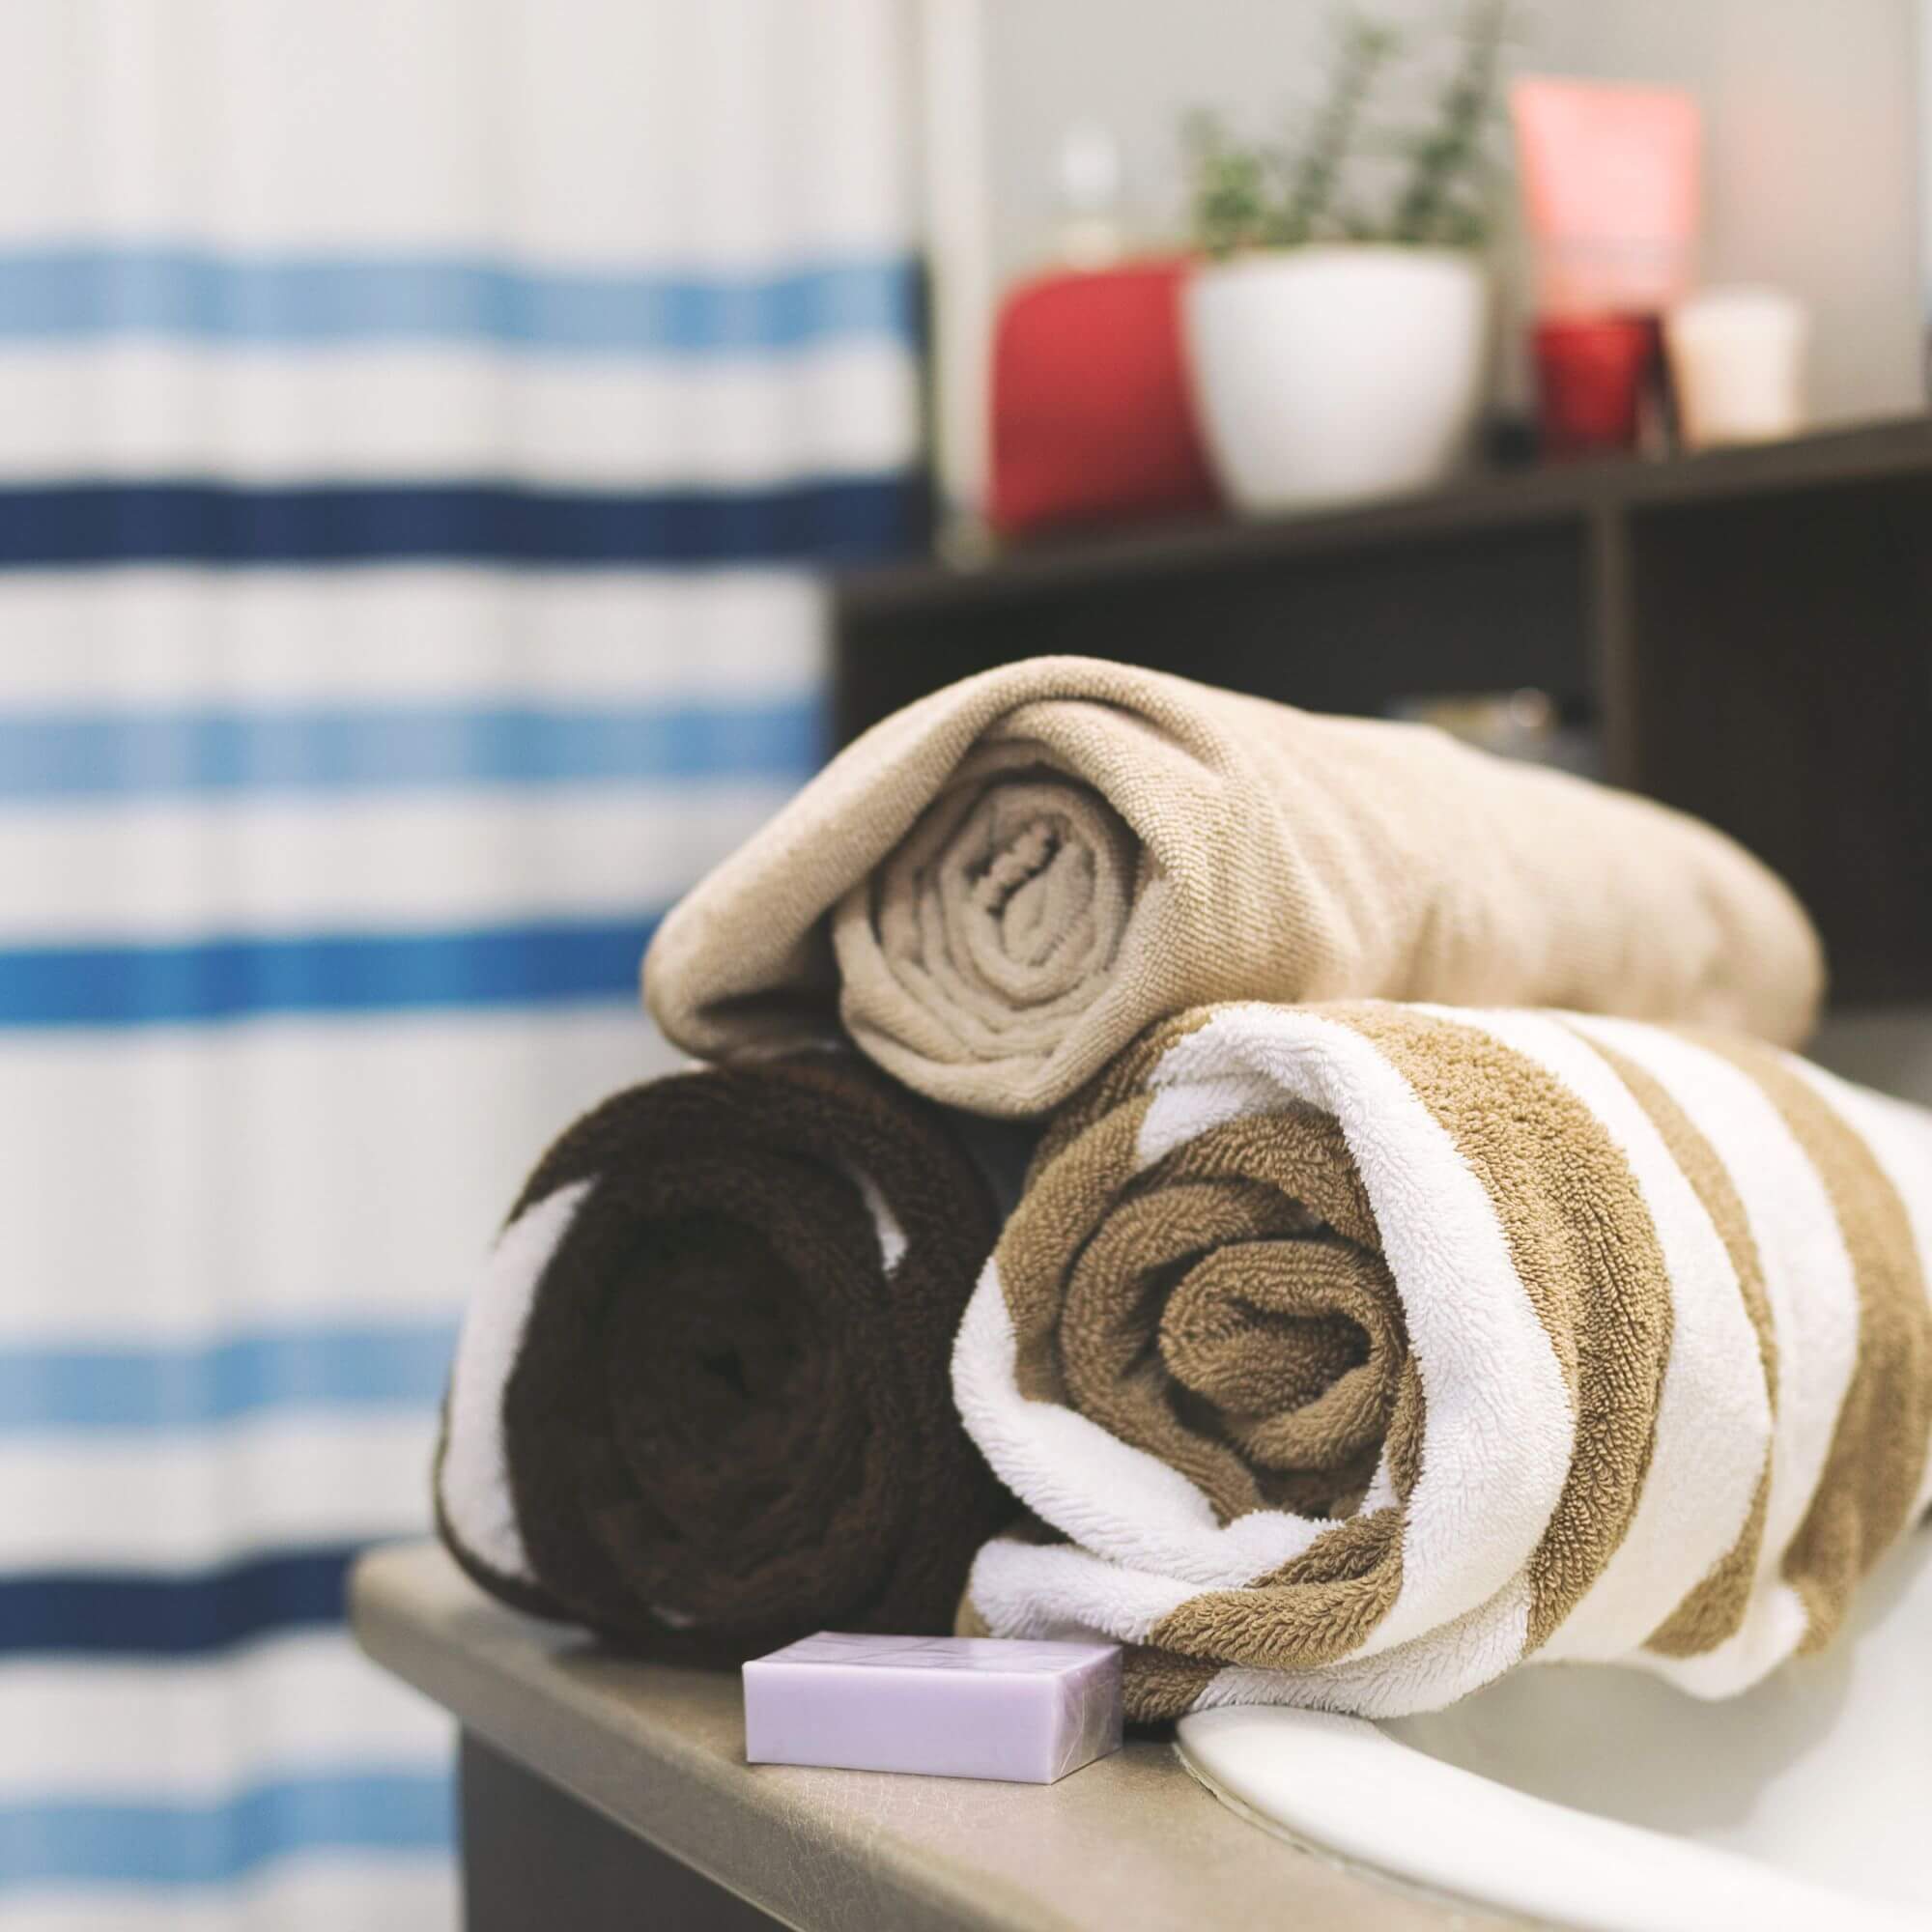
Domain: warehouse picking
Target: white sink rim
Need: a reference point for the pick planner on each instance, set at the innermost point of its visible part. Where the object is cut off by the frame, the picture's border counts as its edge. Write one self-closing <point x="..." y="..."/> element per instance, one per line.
<point x="1342" y="1786"/>
<point x="1601" y="1798"/>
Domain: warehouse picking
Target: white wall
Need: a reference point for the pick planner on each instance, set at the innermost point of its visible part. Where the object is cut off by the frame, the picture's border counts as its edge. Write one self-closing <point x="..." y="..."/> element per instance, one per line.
<point x="1811" y="111"/>
<point x="1813" y="132"/>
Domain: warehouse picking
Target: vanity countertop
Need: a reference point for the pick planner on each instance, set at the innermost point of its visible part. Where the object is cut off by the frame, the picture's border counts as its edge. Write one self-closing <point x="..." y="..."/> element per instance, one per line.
<point x="1130" y="1843"/>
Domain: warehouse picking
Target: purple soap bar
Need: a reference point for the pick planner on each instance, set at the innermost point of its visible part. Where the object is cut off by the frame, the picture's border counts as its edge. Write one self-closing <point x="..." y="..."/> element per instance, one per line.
<point x="948" y="1706"/>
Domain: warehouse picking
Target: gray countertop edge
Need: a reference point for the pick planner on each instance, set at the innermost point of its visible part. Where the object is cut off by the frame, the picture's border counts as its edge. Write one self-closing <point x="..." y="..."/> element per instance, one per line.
<point x="1128" y="1844"/>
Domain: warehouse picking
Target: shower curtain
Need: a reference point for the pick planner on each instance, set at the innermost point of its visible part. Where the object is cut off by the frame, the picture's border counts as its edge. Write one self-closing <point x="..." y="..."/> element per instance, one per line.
<point x="422" y="423"/>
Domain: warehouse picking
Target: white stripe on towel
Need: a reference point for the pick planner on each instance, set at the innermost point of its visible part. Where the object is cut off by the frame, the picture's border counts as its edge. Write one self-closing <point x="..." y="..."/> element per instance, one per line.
<point x="474" y="1483"/>
<point x="1713" y="1416"/>
<point x="1813" y="1301"/>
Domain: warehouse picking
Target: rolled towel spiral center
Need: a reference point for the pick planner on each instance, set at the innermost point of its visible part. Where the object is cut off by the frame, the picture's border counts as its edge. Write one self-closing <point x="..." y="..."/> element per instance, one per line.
<point x="1232" y="1313"/>
<point x="724" y="1357"/>
<point x="1003" y="912"/>
<point x="1298" y="1347"/>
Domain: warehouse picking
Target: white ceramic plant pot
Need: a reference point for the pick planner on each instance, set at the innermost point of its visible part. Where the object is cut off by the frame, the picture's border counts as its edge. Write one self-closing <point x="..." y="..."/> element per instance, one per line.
<point x="1329" y="375"/>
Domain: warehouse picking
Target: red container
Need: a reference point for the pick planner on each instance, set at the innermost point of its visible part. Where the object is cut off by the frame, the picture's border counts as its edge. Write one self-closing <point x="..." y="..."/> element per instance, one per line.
<point x="1092" y="419"/>
<point x="1592" y="379"/>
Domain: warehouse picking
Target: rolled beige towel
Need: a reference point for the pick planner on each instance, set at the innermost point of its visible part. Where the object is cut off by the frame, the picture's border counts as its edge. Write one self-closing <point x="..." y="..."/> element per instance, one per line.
<point x="1002" y="885"/>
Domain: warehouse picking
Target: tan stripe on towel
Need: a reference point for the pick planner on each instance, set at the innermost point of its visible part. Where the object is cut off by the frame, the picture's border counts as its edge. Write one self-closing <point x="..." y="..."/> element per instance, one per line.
<point x="1878" y="1449"/>
<point x="1050" y="1225"/>
<point x="1716" y="1608"/>
<point x="1158" y="1685"/>
<point x="1588" y="1257"/>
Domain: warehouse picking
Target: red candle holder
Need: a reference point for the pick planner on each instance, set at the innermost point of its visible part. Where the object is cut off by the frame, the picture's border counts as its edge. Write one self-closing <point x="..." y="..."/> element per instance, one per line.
<point x="1592" y="377"/>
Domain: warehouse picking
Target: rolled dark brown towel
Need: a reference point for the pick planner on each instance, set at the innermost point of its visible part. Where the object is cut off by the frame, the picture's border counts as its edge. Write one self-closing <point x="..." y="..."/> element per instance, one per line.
<point x="700" y="1401"/>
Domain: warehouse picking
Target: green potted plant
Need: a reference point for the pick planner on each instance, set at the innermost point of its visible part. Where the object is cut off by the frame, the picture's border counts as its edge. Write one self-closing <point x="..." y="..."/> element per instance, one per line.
<point x="1337" y="329"/>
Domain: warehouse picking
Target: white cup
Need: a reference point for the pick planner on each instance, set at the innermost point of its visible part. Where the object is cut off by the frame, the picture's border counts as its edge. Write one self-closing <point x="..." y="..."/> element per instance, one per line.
<point x="1737" y="363"/>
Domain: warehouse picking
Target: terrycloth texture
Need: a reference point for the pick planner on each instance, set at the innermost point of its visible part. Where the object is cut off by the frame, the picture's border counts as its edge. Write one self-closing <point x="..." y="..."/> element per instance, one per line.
<point x="1004" y="883"/>
<point x="700" y="1397"/>
<point x="1357" y="1352"/>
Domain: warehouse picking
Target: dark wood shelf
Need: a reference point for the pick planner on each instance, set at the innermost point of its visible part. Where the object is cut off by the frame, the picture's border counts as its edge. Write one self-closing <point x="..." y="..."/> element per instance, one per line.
<point x="1484" y="504"/>
<point x="1751" y="628"/>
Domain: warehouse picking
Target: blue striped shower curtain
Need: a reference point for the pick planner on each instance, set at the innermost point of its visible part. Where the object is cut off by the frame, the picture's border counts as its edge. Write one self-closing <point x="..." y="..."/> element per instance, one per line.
<point x="419" y="423"/>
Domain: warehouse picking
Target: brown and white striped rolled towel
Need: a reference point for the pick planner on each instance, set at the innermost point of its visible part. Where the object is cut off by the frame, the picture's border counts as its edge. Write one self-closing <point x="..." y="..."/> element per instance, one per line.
<point x="1004" y="883"/>
<point x="700" y="1400"/>
<point x="1357" y="1354"/>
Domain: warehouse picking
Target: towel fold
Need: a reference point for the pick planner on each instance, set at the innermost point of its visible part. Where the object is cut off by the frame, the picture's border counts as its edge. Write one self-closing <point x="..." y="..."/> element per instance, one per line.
<point x="1002" y="885"/>
<point x="1348" y="1355"/>
<point x="700" y="1400"/>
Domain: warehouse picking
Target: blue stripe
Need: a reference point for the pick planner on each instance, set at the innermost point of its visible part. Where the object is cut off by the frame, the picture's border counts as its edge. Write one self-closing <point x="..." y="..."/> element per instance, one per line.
<point x="82" y="293"/>
<point x="146" y="753"/>
<point x="375" y="1810"/>
<point x="64" y="525"/>
<point x="144" y="1613"/>
<point x="550" y="964"/>
<point x="201" y="1386"/>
